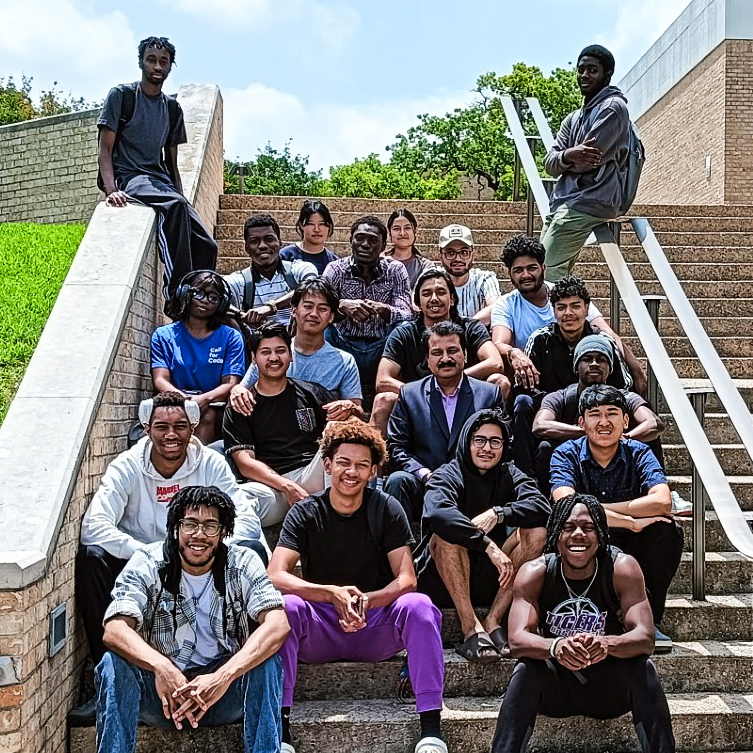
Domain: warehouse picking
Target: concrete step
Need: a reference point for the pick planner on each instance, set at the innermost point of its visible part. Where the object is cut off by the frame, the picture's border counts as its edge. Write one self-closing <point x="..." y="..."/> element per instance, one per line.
<point x="726" y="572"/>
<point x="742" y="488"/>
<point x="716" y="539"/>
<point x="701" y="721"/>
<point x="733" y="458"/>
<point x="714" y="326"/>
<point x="680" y="346"/>
<point x="727" y="310"/>
<point x="717" y="426"/>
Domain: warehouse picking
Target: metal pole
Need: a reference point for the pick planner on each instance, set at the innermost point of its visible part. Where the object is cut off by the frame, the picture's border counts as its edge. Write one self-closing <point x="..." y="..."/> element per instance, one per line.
<point x="532" y="141"/>
<point x="614" y="293"/>
<point x="516" y="178"/>
<point x="241" y="181"/>
<point x="652" y="304"/>
<point x="698" y="400"/>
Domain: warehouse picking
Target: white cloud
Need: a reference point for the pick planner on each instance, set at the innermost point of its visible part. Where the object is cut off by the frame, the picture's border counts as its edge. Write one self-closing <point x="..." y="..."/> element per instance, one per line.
<point x="55" y="41"/>
<point x="330" y="134"/>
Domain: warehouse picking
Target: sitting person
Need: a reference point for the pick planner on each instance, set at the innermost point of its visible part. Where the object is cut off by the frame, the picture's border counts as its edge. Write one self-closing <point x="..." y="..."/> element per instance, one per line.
<point x="580" y="625"/>
<point x="129" y="509"/>
<point x="625" y="476"/>
<point x="476" y="289"/>
<point x="374" y="296"/>
<point x="557" y="419"/>
<point x="402" y="226"/>
<point x="313" y="308"/>
<point x="404" y="358"/>
<point x="263" y="290"/>
<point x="275" y="448"/>
<point x="550" y="351"/>
<point x="526" y="308"/>
<point x="424" y="427"/>
<point x="353" y="600"/>
<point x="197" y="355"/>
<point x="315" y="228"/>
<point x="482" y="520"/>
<point x="212" y="664"/>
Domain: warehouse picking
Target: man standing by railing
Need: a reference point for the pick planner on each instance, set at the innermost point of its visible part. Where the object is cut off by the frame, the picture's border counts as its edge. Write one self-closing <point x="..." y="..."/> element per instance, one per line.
<point x="588" y="158"/>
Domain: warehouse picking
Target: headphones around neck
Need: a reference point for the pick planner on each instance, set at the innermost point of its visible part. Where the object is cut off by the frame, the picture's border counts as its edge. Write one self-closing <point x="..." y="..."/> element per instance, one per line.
<point x="183" y="291"/>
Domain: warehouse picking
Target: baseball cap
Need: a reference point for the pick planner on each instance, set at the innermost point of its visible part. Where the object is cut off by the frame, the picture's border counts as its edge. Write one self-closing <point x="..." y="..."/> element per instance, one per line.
<point x="455" y="233"/>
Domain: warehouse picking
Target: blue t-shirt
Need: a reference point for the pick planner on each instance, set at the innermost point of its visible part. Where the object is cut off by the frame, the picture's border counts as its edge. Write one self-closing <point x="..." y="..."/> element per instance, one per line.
<point x="320" y="260"/>
<point x="522" y="318"/>
<point x="198" y="365"/>
<point x="330" y="367"/>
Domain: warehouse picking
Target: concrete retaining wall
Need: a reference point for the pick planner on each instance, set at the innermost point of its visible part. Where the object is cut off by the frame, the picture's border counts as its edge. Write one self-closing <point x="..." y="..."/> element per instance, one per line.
<point x="68" y="420"/>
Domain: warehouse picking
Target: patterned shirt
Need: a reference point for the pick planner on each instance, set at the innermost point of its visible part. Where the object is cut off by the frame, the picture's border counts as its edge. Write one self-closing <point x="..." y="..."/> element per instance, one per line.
<point x="138" y="593"/>
<point x="481" y="290"/>
<point x="391" y="286"/>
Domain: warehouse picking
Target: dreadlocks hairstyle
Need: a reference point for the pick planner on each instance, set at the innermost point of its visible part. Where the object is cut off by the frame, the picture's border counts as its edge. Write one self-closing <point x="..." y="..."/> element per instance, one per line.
<point x="562" y="510"/>
<point x="353" y="431"/>
<point x="522" y="245"/>
<point x="370" y="219"/>
<point x="436" y="273"/>
<point x="603" y="55"/>
<point x="161" y="43"/>
<point x="261" y="220"/>
<point x="569" y="287"/>
<point x="444" y="329"/>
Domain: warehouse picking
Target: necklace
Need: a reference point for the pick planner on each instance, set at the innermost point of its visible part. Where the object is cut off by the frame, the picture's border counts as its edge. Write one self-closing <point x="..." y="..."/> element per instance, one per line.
<point x="570" y="591"/>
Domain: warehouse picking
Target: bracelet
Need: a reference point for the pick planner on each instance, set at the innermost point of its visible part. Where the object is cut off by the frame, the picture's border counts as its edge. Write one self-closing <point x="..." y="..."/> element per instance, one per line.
<point x="553" y="648"/>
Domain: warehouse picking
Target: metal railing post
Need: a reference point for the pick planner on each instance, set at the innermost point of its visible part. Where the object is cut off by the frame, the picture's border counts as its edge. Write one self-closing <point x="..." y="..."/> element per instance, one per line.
<point x="241" y="181"/>
<point x="530" y="206"/>
<point x="652" y="304"/>
<point x="698" y="400"/>
<point x="614" y="292"/>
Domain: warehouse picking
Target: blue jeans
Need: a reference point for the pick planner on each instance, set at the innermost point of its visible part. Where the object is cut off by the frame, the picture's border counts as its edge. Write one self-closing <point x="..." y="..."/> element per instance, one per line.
<point x="367" y="353"/>
<point x="126" y="695"/>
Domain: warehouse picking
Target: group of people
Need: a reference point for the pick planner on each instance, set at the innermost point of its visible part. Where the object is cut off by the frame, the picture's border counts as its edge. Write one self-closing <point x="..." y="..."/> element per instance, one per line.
<point x="425" y="442"/>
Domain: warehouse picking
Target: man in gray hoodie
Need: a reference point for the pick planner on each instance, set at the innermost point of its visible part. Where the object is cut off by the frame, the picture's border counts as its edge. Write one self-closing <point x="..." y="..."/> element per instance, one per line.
<point x="588" y="157"/>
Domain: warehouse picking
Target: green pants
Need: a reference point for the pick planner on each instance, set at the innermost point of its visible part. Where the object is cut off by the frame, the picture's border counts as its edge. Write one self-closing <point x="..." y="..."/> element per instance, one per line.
<point x="562" y="236"/>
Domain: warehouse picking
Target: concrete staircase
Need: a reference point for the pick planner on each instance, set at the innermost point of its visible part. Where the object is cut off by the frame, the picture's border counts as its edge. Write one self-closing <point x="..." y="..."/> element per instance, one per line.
<point x="351" y="708"/>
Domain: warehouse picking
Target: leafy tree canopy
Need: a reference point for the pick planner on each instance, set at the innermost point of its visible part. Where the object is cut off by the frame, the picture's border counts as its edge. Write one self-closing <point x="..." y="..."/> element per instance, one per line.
<point x="16" y="104"/>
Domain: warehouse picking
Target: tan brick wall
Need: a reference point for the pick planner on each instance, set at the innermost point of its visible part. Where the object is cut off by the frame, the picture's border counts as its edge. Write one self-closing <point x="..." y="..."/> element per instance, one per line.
<point x="207" y="199"/>
<point x="49" y="169"/>
<point x="679" y="131"/>
<point x="33" y="713"/>
<point x="738" y="174"/>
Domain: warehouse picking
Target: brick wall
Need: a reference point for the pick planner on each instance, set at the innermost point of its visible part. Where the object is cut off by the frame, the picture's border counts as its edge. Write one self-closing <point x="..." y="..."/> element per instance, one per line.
<point x="49" y="169"/>
<point x="679" y="131"/>
<point x="207" y="198"/>
<point x="738" y="174"/>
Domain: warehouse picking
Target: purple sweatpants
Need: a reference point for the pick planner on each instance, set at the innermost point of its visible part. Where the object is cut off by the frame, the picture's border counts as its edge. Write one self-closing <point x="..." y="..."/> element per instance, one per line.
<point x="411" y="622"/>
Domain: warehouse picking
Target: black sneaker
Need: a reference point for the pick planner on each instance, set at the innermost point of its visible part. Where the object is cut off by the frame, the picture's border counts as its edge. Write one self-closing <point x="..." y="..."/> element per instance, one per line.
<point x="84" y="715"/>
<point x="662" y="643"/>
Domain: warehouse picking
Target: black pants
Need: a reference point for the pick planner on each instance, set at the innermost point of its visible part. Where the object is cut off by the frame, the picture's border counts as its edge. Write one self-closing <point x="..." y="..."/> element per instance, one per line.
<point x="96" y="571"/>
<point x="524" y="410"/>
<point x="658" y="549"/>
<point x="182" y="240"/>
<point x="611" y="688"/>
<point x="408" y="490"/>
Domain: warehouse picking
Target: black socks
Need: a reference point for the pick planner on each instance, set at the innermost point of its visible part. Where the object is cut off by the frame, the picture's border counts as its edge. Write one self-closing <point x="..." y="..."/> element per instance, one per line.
<point x="285" y="714"/>
<point x="431" y="725"/>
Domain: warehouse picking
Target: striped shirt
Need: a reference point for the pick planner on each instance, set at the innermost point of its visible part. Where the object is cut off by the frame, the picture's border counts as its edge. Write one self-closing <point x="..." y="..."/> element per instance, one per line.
<point x="481" y="290"/>
<point x="138" y="593"/>
<point x="391" y="286"/>
<point x="267" y="290"/>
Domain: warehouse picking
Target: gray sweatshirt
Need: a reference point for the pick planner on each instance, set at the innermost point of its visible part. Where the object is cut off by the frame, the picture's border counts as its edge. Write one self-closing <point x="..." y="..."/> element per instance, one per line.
<point x="596" y="192"/>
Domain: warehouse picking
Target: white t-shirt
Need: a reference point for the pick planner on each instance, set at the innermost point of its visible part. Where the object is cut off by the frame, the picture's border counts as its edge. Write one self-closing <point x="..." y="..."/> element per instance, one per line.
<point x="208" y="648"/>
<point x="481" y="286"/>
<point x="522" y="318"/>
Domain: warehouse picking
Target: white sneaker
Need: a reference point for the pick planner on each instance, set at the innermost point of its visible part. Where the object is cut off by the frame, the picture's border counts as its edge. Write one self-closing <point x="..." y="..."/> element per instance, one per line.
<point x="681" y="506"/>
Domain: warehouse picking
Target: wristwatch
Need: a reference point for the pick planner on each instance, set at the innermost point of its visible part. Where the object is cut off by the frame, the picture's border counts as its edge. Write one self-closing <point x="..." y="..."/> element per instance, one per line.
<point x="500" y="513"/>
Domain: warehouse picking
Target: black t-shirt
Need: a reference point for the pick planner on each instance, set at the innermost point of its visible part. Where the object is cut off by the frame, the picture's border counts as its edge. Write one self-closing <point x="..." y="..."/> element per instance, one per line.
<point x="283" y="429"/>
<point x="404" y="346"/>
<point x="341" y="550"/>
<point x="564" y="405"/>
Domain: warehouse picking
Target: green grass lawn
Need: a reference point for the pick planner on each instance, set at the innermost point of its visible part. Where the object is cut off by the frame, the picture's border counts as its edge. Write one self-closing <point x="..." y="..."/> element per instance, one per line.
<point x="34" y="260"/>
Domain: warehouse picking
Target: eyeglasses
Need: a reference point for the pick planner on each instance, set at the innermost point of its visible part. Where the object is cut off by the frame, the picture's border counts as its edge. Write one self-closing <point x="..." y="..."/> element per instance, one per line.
<point x="200" y="295"/>
<point x="496" y="443"/>
<point x="211" y="528"/>
<point x="463" y="253"/>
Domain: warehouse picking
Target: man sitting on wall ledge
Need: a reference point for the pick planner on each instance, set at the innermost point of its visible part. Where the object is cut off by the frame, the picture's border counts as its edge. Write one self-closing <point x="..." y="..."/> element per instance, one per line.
<point x="139" y="132"/>
<point x="193" y="633"/>
<point x="129" y="509"/>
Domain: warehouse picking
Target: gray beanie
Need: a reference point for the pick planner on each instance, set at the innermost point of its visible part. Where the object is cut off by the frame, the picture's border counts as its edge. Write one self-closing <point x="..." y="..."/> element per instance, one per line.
<point x="594" y="344"/>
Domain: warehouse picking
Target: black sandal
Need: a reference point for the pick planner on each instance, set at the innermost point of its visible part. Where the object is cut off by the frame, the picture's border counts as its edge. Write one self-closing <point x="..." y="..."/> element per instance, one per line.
<point x="472" y="647"/>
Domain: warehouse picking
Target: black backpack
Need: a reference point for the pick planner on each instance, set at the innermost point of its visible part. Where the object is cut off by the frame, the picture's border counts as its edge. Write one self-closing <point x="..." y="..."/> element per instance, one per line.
<point x="249" y="290"/>
<point x="128" y="104"/>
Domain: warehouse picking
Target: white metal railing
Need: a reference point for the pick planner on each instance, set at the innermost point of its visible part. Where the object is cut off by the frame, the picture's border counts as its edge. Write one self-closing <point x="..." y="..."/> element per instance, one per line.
<point x="707" y="472"/>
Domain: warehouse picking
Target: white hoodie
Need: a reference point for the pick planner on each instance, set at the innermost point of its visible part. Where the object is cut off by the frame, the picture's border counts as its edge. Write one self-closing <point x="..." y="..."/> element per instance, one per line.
<point x="130" y="507"/>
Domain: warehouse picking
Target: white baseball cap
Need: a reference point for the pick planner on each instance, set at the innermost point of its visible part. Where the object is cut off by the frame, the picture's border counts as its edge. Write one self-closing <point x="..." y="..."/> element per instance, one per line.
<point x="455" y="233"/>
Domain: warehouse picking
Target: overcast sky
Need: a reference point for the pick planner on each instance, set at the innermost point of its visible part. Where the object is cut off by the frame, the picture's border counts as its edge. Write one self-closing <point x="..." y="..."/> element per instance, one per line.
<point x="340" y="78"/>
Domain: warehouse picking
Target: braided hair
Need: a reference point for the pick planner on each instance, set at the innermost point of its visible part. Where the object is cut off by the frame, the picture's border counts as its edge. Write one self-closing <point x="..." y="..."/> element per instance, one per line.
<point x="562" y="510"/>
<point x="161" y="43"/>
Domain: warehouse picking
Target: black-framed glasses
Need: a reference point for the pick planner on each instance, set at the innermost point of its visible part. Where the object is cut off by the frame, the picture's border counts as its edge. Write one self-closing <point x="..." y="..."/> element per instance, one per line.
<point x="462" y="253"/>
<point x="496" y="443"/>
<point x="210" y="528"/>
<point x="200" y="295"/>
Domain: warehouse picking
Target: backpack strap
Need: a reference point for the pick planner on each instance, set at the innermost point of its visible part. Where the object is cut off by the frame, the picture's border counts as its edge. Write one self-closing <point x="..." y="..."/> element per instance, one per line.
<point x="249" y="287"/>
<point x="127" y="106"/>
<point x="287" y="273"/>
<point x="607" y="582"/>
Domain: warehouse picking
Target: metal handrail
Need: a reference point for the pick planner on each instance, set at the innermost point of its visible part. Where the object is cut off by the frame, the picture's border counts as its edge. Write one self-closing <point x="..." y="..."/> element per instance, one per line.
<point x="706" y="464"/>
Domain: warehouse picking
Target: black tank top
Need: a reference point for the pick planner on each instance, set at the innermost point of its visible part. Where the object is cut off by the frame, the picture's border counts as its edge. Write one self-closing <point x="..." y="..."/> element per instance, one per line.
<point x="596" y="611"/>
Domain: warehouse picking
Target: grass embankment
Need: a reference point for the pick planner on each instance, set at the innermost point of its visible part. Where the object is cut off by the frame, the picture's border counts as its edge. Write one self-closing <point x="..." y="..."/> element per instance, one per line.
<point x="34" y="260"/>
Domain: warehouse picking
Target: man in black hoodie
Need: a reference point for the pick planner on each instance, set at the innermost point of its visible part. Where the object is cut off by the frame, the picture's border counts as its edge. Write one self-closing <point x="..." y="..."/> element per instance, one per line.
<point x="588" y="156"/>
<point x="483" y="518"/>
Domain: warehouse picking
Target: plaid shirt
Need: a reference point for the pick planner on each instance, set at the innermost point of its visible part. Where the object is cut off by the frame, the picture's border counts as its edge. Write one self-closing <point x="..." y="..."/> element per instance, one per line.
<point x="391" y="286"/>
<point x="138" y="593"/>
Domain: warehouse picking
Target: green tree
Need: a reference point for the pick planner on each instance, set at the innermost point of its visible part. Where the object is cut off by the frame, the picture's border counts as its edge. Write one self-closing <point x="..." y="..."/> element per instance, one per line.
<point x="276" y="173"/>
<point x="16" y="104"/>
